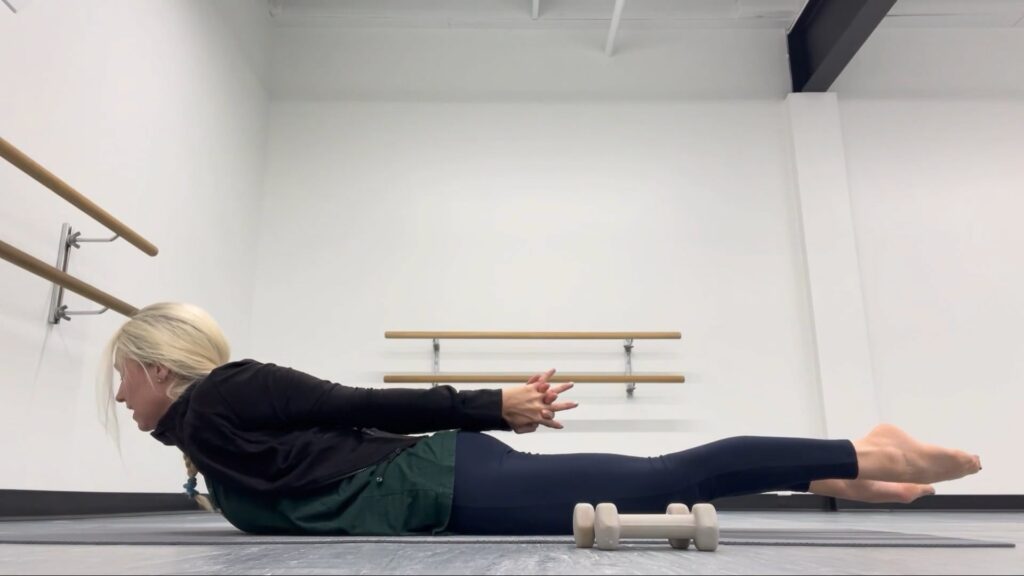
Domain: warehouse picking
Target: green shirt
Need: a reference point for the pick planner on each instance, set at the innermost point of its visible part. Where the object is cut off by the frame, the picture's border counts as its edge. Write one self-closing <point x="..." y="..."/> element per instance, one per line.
<point x="410" y="493"/>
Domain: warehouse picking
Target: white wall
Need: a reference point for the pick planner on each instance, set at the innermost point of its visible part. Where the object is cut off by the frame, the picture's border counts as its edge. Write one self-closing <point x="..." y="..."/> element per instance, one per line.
<point x="933" y="125"/>
<point x="519" y="216"/>
<point x="943" y="63"/>
<point x="151" y="110"/>
<point x="937" y="195"/>
<point x="568" y="64"/>
<point x="849" y="402"/>
<point x="937" y="212"/>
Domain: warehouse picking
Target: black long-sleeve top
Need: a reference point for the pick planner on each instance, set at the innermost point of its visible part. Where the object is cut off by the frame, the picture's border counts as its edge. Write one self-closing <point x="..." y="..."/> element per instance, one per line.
<point x="275" y="430"/>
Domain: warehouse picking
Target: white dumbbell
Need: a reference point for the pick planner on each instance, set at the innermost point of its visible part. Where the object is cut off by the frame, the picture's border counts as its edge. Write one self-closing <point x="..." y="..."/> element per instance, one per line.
<point x="605" y="526"/>
<point x="583" y="525"/>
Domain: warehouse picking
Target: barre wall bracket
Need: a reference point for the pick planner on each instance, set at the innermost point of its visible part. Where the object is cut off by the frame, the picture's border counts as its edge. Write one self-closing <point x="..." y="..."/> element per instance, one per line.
<point x="69" y="239"/>
<point x="628" y="346"/>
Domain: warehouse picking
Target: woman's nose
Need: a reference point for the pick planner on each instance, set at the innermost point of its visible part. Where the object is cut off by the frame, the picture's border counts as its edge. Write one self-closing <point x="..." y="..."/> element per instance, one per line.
<point x="120" y="393"/>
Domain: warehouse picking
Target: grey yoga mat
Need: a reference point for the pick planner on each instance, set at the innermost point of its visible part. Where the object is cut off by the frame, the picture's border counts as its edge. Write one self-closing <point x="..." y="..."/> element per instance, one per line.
<point x="186" y="530"/>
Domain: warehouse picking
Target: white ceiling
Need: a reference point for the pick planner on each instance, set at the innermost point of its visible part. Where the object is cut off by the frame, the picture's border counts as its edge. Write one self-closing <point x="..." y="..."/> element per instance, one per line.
<point x="637" y="14"/>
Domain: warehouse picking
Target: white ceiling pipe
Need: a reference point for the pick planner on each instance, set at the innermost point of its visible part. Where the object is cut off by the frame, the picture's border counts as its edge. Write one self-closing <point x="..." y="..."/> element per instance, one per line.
<point x="536" y="9"/>
<point x="616" y="17"/>
<point x="16" y="5"/>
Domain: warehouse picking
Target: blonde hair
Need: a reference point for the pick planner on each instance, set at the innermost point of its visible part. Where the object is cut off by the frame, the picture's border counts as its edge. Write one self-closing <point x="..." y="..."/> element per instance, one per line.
<point x="182" y="337"/>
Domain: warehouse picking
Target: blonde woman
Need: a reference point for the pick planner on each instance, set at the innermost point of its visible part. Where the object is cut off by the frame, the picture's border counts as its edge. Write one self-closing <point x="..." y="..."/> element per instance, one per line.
<point x="286" y="452"/>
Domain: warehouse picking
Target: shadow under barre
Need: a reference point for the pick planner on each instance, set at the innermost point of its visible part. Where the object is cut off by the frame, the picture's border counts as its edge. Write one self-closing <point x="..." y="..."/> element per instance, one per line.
<point x="644" y="425"/>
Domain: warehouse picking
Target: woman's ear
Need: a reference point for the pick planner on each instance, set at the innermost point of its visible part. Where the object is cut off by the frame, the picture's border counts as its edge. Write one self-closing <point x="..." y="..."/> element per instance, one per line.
<point x="161" y="372"/>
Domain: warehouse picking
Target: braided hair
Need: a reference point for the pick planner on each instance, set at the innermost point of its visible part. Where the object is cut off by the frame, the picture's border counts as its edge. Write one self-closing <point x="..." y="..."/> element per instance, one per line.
<point x="190" y="486"/>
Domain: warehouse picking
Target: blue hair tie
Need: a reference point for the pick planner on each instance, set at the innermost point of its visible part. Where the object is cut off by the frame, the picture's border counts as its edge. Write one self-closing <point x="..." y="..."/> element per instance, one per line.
<point x="190" y="487"/>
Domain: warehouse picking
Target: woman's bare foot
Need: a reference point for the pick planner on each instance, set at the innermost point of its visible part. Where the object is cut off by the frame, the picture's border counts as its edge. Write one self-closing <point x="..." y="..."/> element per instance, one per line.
<point x="890" y="454"/>
<point x="873" y="491"/>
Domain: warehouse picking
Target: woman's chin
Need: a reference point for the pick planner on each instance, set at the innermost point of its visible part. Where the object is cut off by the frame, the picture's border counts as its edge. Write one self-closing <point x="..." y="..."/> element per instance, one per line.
<point x="142" y="425"/>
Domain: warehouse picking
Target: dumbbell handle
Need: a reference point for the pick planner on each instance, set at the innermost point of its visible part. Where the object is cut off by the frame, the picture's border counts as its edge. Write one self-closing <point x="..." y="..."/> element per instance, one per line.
<point x="654" y="525"/>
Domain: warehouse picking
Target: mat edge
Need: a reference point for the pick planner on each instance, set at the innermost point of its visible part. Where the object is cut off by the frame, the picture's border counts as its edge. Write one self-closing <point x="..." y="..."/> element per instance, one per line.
<point x="44" y="503"/>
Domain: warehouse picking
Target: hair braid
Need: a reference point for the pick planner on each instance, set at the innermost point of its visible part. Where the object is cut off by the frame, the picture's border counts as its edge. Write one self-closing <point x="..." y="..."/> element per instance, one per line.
<point x="190" y="486"/>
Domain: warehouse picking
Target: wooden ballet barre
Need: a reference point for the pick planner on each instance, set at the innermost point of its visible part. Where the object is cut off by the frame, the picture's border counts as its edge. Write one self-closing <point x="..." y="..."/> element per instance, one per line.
<point x="534" y="335"/>
<point x="42" y="269"/>
<point x="65" y="191"/>
<point x="628" y="377"/>
<point x="521" y="377"/>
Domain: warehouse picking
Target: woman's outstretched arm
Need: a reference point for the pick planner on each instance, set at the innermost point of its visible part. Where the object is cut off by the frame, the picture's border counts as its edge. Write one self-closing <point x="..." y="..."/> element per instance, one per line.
<point x="267" y="395"/>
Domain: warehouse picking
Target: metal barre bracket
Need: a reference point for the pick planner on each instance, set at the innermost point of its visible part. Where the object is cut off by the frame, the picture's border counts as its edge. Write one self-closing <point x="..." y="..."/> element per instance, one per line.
<point x="437" y="360"/>
<point x="69" y="239"/>
<point x="628" y="346"/>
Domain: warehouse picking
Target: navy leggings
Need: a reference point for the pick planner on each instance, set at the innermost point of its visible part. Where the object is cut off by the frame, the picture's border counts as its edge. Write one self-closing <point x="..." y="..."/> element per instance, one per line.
<point x="501" y="491"/>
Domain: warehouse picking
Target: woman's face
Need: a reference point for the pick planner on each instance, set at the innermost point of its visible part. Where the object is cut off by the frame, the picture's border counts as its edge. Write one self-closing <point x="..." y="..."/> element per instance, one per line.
<point x="143" y="390"/>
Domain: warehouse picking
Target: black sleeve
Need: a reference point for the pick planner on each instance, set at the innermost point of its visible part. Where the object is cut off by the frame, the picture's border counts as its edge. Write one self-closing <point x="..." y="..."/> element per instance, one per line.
<point x="275" y="396"/>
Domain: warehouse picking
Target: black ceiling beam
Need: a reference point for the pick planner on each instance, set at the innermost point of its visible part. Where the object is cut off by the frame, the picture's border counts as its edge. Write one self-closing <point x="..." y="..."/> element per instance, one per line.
<point x="827" y="35"/>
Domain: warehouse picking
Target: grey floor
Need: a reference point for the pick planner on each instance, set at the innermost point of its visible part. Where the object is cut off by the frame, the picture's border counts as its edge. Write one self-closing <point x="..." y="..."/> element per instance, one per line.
<point x="539" y="558"/>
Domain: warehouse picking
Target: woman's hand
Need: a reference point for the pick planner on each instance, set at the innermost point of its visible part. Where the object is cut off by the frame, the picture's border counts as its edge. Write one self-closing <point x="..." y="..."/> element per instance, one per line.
<point x="532" y="405"/>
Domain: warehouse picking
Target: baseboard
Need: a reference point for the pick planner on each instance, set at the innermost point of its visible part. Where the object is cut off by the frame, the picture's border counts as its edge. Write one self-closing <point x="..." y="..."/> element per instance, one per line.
<point x="948" y="502"/>
<point x="28" y="503"/>
<point x="773" y="502"/>
<point x="942" y="502"/>
<point x="42" y="503"/>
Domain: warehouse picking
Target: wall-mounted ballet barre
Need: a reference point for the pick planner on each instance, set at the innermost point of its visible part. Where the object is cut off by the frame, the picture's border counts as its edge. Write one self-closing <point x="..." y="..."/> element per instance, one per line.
<point x="44" y="270"/>
<point x="65" y="191"/>
<point x="69" y="239"/>
<point x="457" y="335"/>
<point x="628" y="377"/>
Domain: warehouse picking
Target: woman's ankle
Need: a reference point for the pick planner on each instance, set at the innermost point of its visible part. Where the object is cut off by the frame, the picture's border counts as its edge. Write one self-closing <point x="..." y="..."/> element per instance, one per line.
<point x="879" y="462"/>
